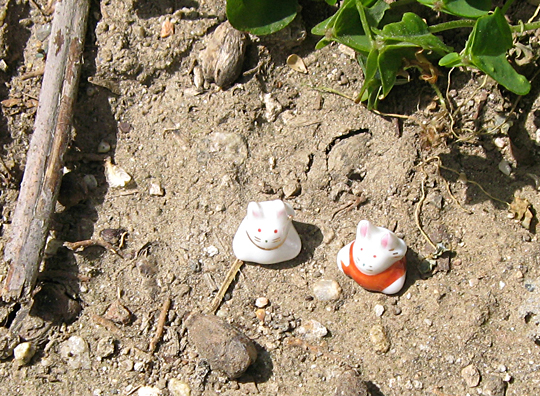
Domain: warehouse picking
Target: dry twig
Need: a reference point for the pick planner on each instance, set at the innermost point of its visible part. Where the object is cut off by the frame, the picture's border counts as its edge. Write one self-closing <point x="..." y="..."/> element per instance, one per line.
<point x="160" y="325"/>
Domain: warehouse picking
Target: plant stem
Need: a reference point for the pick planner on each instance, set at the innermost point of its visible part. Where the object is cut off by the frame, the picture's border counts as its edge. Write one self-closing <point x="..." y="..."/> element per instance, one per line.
<point x="506" y="6"/>
<point x="525" y="27"/>
<point x="469" y="23"/>
<point x="441" y="27"/>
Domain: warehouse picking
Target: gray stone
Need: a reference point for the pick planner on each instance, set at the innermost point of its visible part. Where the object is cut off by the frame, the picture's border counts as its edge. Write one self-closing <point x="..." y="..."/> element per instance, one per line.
<point x="224" y="347"/>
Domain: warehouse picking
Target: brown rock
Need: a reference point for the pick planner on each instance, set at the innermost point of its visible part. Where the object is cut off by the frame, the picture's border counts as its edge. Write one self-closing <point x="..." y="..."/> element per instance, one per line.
<point x="223" y="58"/>
<point x="224" y="347"/>
<point x="350" y="384"/>
<point x="118" y="313"/>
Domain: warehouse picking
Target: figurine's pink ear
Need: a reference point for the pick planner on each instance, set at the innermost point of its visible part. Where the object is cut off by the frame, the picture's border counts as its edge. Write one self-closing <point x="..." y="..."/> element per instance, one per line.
<point x="254" y="210"/>
<point x="385" y="239"/>
<point x="363" y="228"/>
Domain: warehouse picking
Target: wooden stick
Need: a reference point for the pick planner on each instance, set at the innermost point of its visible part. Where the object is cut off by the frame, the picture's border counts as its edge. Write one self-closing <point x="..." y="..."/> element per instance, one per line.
<point x="43" y="173"/>
<point x="216" y="302"/>
<point x="161" y="324"/>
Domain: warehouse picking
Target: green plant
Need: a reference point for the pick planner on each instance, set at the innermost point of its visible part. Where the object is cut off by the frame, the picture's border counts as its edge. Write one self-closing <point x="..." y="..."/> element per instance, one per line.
<point x="389" y="39"/>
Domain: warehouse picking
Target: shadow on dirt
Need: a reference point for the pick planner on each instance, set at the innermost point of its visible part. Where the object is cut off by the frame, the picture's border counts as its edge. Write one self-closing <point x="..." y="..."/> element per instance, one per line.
<point x="15" y="40"/>
<point x="260" y="371"/>
<point x="373" y="389"/>
<point x="149" y="8"/>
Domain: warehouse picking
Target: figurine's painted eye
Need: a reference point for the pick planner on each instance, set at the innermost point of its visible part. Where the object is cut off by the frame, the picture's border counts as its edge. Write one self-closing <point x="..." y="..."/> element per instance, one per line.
<point x="259" y="230"/>
<point x="275" y="231"/>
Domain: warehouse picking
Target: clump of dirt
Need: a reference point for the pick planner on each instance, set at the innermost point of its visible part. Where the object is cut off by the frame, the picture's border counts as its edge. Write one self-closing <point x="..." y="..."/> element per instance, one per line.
<point x="198" y="157"/>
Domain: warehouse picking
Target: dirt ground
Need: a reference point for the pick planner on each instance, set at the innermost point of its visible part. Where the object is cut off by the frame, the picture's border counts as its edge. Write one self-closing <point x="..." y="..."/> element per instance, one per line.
<point x="474" y="311"/>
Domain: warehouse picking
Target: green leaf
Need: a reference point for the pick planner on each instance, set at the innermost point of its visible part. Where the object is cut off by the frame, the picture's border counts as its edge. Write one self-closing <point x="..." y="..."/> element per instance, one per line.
<point x="490" y="39"/>
<point x="467" y="8"/>
<point x="413" y="31"/>
<point x="462" y="8"/>
<point x="261" y="17"/>
<point x="452" y="59"/>
<point x="348" y="28"/>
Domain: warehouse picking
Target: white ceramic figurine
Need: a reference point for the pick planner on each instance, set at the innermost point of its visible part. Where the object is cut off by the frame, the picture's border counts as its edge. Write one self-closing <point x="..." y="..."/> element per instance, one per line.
<point x="375" y="260"/>
<point x="267" y="235"/>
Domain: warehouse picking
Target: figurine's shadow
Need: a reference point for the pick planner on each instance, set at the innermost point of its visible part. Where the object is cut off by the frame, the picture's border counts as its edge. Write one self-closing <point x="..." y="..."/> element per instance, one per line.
<point x="311" y="237"/>
<point x="413" y="273"/>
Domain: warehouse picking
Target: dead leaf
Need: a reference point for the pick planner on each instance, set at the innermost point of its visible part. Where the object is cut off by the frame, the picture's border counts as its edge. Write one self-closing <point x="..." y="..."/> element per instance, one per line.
<point x="167" y="28"/>
<point x="296" y="63"/>
<point x="521" y="209"/>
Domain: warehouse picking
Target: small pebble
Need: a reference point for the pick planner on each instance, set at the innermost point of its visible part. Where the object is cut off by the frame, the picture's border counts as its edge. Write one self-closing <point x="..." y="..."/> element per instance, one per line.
<point x="471" y="375"/>
<point x="505" y="167"/>
<point x="124" y="127"/>
<point x="326" y="290"/>
<point x="155" y="190"/>
<point x="105" y="347"/>
<point x="261" y="302"/>
<point x="76" y="352"/>
<point x="292" y="189"/>
<point x="90" y="181"/>
<point x="428" y="322"/>
<point x="494" y="386"/>
<point x="211" y="251"/>
<point x="378" y="338"/>
<point x="312" y="331"/>
<point x="260" y="314"/>
<point x="149" y="391"/>
<point x="23" y="353"/>
<point x="118" y="313"/>
<point x="379" y="310"/>
<point x="103" y="147"/>
<point x="177" y="387"/>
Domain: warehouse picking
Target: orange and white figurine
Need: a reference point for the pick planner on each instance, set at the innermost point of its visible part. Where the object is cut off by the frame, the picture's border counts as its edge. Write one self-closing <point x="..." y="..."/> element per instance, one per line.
<point x="375" y="260"/>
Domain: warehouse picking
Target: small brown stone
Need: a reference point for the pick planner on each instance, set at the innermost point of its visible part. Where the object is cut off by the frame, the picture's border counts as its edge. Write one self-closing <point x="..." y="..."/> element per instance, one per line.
<point x="118" y="313"/>
<point x="350" y="384"/>
<point x="224" y="347"/>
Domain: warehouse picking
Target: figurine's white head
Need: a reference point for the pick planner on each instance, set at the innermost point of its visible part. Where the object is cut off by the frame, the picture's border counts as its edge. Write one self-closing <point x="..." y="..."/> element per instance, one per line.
<point x="268" y="223"/>
<point x="376" y="248"/>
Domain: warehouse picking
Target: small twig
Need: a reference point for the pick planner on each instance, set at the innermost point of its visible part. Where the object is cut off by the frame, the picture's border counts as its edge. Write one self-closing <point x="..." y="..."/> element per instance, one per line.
<point x="333" y="91"/>
<point x="349" y="206"/>
<point x="81" y="245"/>
<point x="32" y="74"/>
<point x="212" y="308"/>
<point x="417" y="216"/>
<point x="108" y="324"/>
<point x="160" y="325"/>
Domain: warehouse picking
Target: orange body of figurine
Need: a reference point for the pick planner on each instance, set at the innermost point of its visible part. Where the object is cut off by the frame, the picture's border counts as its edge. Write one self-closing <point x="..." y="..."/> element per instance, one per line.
<point x="375" y="260"/>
